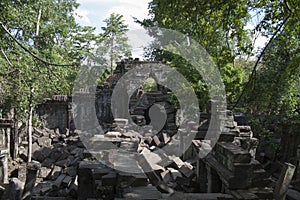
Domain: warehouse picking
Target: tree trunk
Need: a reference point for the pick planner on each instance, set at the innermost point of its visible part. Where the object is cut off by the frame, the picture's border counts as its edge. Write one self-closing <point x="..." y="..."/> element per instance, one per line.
<point x="38" y="23"/>
<point x="16" y="137"/>
<point x="29" y="127"/>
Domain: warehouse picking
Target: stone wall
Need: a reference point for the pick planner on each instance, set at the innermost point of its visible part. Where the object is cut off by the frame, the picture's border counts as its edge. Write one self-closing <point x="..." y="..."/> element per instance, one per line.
<point x="56" y="112"/>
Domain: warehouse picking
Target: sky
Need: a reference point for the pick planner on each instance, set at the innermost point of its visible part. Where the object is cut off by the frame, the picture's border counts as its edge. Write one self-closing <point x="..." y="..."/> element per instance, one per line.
<point x="93" y="12"/>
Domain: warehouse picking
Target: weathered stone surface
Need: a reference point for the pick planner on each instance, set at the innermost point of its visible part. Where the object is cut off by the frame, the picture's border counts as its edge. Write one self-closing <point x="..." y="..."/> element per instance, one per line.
<point x="44" y="141"/>
<point x="292" y="195"/>
<point x="109" y="179"/>
<point x="58" y="182"/>
<point x="14" y="190"/>
<point x="186" y="171"/>
<point x="67" y="181"/>
<point x="113" y="134"/>
<point x="284" y="181"/>
<point x="141" y="193"/>
<point x="166" y="176"/>
<point x="174" y="173"/>
<point x="44" y="172"/>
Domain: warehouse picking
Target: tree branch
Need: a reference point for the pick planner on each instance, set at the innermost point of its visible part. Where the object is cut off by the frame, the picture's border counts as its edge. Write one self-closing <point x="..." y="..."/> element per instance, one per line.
<point x="31" y="53"/>
<point x="258" y="60"/>
<point x="6" y="58"/>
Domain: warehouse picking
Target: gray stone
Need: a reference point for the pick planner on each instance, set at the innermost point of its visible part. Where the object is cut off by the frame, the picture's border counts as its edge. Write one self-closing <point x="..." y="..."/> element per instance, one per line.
<point x="67" y="181"/>
<point x="109" y="179"/>
<point x="44" y="141"/>
<point x="44" y="172"/>
<point x="58" y="182"/>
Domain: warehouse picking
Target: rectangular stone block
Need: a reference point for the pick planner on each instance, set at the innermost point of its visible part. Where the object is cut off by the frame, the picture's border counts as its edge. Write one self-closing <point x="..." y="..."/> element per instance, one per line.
<point x="109" y="179"/>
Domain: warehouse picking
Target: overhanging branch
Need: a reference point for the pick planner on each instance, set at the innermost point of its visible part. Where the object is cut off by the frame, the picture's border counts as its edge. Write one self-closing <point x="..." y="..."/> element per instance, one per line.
<point x="30" y="52"/>
<point x="258" y="60"/>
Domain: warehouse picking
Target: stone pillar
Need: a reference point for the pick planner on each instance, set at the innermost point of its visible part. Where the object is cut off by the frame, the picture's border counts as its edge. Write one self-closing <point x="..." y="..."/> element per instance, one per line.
<point x="32" y="169"/>
<point x="85" y="181"/>
<point x="214" y="184"/>
<point x="4" y="168"/>
<point x="14" y="190"/>
<point x="284" y="181"/>
<point x="202" y="175"/>
<point x="298" y="163"/>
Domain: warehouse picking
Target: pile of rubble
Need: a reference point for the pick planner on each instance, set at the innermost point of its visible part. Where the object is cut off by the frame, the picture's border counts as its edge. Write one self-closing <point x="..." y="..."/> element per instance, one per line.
<point x="138" y="164"/>
<point x="57" y="156"/>
<point x="230" y="166"/>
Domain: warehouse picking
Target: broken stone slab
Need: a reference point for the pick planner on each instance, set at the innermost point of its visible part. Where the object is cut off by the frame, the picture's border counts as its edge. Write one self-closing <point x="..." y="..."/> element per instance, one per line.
<point x="165" y="138"/>
<point x="31" y="174"/>
<point x="77" y="151"/>
<point x="227" y="177"/>
<point x="98" y="173"/>
<point x="14" y="190"/>
<point x="156" y="141"/>
<point x="41" y="132"/>
<point x="109" y="179"/>
<point x="177" y="162"/>
<point x="227" y="137"/>
<point x="67" y="181"/>
<point x="263" y="193"/>
<point x="292" y="194"/>
<point x="35" y="147"/>
<point x="234" y="153"/>
<point x="151" y="157"/>
<point x="186" y="171"/>
<point x="243" y="195"/>
<point x="44" y="141"/>
<point x="55" y="172"/>
<point x="42" y="188"/>
<point x="48" y="162"/>
<point x="64" y="163"/>
<point x="174" y="173"/>
<point x="197" y="196"/>
<point x="284" y="181"/>
<point x="134" y="180"/>
<point x="142" y="193"/>
<point x="56" y="154"/>
<point x="42" y="154"/>
<point x="22" y="172"/>
<point x="263" y="182"/>
<point x="58" y="182"/>
<point x="131" y="134"/>
<point x="129" y="146"/>
<point x="244" y="128"/>
<point x="113" y="134"/>
<point x="121" y="121"/>
<point x="85" y="178"/>
<point x="166" y="176"/>
<point x="44" y="172"/>
<point x="71" y="171"/>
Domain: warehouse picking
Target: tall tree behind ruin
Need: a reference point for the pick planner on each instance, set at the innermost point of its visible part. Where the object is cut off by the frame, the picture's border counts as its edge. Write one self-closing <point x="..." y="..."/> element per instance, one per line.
<point x="113" y="44"/>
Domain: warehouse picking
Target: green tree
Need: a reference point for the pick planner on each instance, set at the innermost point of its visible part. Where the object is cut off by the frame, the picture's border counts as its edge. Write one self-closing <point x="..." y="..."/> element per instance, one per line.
<point x="217" y="25"/>
<point x="41" y="48"/>
<point x="265" y="86"/>
<point x="112" y="45"/>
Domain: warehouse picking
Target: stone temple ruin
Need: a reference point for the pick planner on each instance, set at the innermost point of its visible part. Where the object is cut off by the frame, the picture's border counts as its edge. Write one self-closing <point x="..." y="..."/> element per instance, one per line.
<point x="131" y="158"/>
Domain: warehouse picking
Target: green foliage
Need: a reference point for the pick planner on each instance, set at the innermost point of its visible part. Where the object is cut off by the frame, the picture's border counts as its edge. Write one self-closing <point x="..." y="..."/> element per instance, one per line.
<point x="267" y="88"/>
<point x="149" y="85"/>
<point x="48" y="29"/>
<point x="218" y="27"/>
<point x="112" y="44"/>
